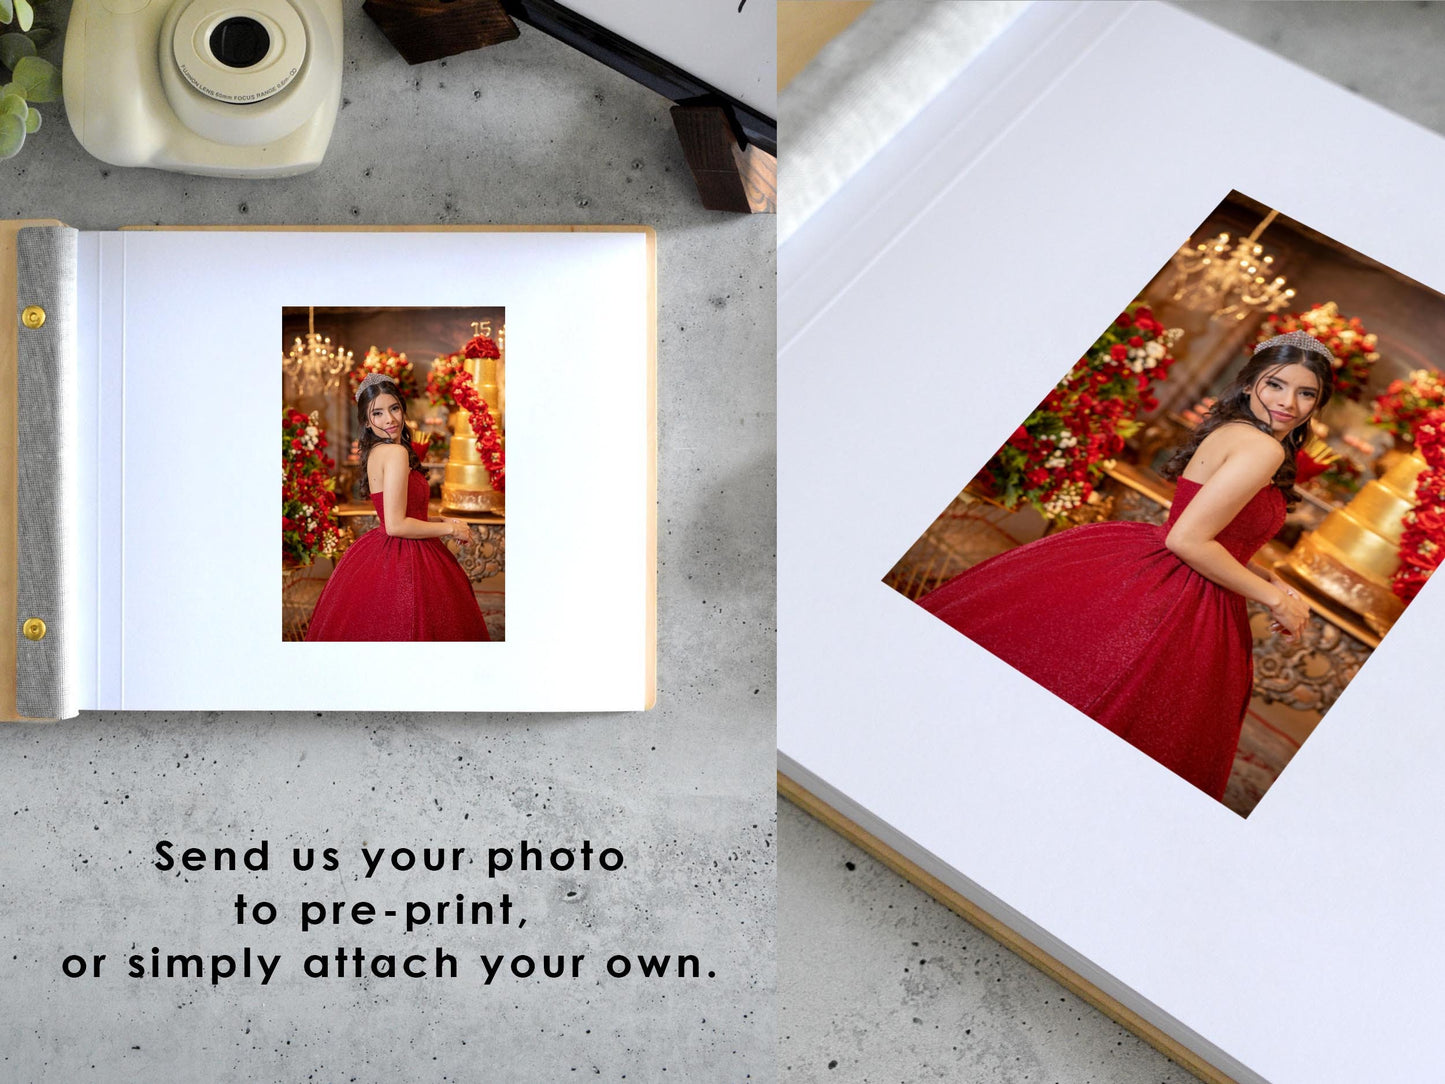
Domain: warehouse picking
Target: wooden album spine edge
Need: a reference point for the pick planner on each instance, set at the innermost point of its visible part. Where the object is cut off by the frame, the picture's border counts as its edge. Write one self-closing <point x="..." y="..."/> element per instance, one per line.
<point x="9" y="488"/>
<point x="1015" y="942"/>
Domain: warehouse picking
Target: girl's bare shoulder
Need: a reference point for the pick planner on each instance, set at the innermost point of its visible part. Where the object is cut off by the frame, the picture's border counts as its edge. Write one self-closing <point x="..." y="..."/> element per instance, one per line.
<point x="388" y="453"/>
<point x="1241" y="438"/>
<point x="384" y="461"/>
<point x="1237" y="441"/>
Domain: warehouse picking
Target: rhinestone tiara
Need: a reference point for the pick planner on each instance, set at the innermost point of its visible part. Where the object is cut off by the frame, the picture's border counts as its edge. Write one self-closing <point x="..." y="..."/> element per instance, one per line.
<point x="372" y="379"/>
<point x="1301" y="339"/>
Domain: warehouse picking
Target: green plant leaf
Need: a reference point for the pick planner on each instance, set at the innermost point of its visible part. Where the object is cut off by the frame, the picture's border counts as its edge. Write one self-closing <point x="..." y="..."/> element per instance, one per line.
<point x="32" y="122"/>
<point x="13" y="105"/>
<point x="39" y="78"/>
<point x="13" y="47"/>
<point x="24" y="14"/>
<point x="12" y="135"/>
<point x="41" y="35"/>
<point x="7" y="11"/>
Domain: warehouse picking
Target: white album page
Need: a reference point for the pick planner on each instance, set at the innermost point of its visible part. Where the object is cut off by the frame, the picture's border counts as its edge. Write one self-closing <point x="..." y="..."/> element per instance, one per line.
<point x="186" y="336"/>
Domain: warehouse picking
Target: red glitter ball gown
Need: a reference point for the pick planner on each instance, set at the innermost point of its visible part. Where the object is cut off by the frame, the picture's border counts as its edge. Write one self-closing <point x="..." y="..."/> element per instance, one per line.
<point x="1105" y="616"/>
<point x="387" y="588"/>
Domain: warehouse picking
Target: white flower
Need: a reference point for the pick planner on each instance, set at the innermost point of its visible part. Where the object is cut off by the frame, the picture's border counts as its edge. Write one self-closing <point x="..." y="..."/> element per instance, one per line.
<point x="1154" y="348"/>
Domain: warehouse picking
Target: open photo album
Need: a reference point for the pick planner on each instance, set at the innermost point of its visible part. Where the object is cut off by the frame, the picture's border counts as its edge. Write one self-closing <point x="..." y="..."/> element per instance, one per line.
<point x="1134" y="404"/>
<point x="459" y="513"/>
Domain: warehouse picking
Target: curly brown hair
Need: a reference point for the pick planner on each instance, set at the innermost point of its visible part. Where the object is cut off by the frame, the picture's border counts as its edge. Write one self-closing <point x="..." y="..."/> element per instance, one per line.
<point x="1233" y="406"/>
<point x="370" y="440"/>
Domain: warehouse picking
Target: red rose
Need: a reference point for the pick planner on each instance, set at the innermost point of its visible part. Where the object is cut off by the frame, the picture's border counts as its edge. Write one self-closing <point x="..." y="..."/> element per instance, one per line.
<point x="1037" y="477"/>
<point x="1431" y="519"/>
<point x="1123" y="319"/>
<point x="1418" y="559"/>
<point x="1145" y="311"/>
<point x="1135" y="340"/>
<point x="480" y="346"/>
<point x="1119" y="352"/>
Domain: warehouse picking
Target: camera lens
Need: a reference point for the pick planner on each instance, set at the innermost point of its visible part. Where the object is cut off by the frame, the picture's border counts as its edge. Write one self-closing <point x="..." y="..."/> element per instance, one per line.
<point x="239" y="42"/>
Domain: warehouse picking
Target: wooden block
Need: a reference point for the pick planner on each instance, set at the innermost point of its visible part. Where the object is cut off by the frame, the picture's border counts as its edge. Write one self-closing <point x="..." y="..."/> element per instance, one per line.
<point x="729" y="177"/>
<point x="425" y="30"/>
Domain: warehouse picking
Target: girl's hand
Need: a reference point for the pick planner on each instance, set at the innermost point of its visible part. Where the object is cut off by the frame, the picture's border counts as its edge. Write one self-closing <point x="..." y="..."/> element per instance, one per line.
<point x="461" y="531"/>
<point x="1274" y="578"/>
<point x="1290" y="613"/>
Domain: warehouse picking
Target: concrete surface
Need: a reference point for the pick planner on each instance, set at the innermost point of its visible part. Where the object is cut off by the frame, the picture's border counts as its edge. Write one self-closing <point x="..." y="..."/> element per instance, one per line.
<point x="525" y="132"/>
<point x="877" y="982"/>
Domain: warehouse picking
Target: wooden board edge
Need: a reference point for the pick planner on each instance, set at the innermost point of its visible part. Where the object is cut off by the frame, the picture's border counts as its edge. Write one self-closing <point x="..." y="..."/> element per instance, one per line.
<point x="559" y="227"/>
<point x="806" y="26"/>
<point x="1016" y="943"/>
<point x="649" y="689"/>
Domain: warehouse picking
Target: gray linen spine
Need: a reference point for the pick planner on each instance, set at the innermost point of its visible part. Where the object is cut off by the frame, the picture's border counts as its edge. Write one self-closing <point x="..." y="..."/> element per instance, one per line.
<point x="45" y="403"/>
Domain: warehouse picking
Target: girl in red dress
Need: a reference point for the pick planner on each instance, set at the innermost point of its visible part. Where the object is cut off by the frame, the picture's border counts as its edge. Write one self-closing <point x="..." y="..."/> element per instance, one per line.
<point x="398" y="581"/>
<point x="1143" y="627"/>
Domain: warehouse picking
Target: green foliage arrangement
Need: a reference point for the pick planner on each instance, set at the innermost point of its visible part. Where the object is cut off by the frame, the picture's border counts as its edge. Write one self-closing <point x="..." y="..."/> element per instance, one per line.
<point x="32" y="77"/>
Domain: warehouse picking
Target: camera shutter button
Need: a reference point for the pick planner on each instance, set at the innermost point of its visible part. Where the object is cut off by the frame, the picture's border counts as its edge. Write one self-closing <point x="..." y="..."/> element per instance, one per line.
<point x="125" y="7"/>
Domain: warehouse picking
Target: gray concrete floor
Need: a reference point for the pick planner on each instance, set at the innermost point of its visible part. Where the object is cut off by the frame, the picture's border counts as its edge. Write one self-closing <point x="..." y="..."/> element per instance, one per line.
<point x="877" y="981"/>
<point x="530" y="131"/>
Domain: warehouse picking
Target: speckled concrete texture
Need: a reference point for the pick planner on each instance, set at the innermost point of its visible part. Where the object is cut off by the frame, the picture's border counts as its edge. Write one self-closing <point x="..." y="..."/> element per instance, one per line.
<point x="878" y="982"/>
<point x="525" y="132"/>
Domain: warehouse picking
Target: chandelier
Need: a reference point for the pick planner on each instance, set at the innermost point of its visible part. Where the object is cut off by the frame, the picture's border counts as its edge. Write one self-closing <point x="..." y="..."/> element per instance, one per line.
<point x="1228" y="280"/>
<point x="315" y="366"/>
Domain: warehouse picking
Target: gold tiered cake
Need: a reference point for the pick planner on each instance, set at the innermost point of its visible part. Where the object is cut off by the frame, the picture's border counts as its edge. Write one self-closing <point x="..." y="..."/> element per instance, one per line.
<point x="466" y="485"/>
<point x="1351" y="555"/>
